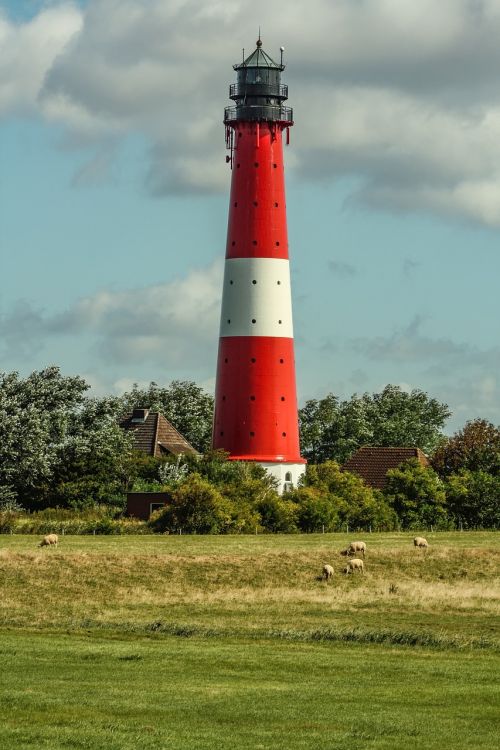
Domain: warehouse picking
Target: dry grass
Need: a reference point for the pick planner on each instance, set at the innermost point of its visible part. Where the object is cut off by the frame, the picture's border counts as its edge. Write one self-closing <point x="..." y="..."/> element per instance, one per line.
<point x="245" y="584"/>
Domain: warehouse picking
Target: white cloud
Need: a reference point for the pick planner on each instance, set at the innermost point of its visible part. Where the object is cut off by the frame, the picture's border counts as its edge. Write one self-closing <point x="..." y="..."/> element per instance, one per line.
<point x="172" y="324"/>
<point x="401" y="95"/>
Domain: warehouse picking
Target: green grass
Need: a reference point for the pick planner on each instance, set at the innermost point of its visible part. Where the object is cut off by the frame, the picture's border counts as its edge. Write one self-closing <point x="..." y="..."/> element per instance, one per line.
<point x="75" y="692"/>
<point x="233" y="642"/>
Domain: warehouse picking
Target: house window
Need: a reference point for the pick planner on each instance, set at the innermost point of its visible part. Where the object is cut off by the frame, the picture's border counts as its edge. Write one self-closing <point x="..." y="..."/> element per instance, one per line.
<point x="288" y="476"/>
<point x="155" y="506"/>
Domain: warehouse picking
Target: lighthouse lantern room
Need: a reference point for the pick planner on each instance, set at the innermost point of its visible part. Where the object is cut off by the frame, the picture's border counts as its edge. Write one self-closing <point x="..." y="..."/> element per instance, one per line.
<point x="256" y="415"/>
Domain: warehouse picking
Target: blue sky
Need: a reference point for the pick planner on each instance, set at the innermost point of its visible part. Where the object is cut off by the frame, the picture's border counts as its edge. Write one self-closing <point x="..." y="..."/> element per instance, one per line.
<point x="114" y="191"/>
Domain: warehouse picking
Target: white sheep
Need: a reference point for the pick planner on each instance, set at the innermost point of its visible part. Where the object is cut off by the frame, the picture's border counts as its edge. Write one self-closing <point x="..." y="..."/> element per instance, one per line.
<point x="419" y="541"/>
<point x="327" y="572"/>
<point x="49" y="540"/>
<point x="353" y="548"/>
<point x="353" y="565"/>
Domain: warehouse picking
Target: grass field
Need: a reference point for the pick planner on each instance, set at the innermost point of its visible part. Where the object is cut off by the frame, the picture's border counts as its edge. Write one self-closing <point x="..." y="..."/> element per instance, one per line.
<point x="215" y="642"/>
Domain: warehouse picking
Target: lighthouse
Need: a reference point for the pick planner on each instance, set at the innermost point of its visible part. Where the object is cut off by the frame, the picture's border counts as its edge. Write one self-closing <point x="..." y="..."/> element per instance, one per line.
<point x="256" y="416"/>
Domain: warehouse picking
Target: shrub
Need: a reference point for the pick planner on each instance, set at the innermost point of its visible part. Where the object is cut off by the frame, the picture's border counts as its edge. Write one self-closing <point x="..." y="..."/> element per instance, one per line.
<point x="417" y="495"/>
<point x="315" y="510"/>
<point x="196" y="507"/>
<point x="278" y="514"/>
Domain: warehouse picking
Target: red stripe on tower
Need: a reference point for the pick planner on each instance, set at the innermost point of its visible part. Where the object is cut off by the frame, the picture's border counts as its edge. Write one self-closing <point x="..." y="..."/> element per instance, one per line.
<point x="255" y="400"/>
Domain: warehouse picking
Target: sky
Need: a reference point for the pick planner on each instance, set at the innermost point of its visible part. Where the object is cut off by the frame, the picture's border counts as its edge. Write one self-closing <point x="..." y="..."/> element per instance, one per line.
<point x="114" y="190"/>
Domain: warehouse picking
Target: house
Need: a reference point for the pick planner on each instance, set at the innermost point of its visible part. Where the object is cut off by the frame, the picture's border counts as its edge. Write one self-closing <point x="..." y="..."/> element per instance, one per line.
<point x="154" y="435"/>
<point x="372" y="463"/>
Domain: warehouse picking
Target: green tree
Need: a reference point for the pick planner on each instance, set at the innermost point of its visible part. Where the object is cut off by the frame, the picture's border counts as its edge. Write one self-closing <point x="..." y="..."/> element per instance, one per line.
<point x="474" y="499"/>
<point x="34" y="415"/>
<point x="187" y="406"/>
<point x="476" y="447"/>
<point x="196" y="507"/>
<point x="417" y="495"/>
<point x="93" y="458"/>
<point x="333" y="429"/>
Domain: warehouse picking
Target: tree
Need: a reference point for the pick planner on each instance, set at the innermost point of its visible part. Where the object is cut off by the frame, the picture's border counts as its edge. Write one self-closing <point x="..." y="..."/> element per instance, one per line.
<point x="476" y="447"/>
<point x="474" y="499"/>
<point x="187" y="406"/>
<point x="93" y="458"/>
<point x="417" y="495"/>
<point x="333" y="429"/>
<point x="58" y="447"/>
<point x="34" y="414"/>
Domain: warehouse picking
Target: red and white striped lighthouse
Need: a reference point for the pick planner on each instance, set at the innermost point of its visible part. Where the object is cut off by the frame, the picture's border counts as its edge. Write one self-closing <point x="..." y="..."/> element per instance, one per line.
<point x="255" y="401"/>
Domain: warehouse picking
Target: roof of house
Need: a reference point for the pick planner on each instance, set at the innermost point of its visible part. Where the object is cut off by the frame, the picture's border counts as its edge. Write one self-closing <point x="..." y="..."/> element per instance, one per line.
<point x="154" y="435"/>
<point x="372" y="463"/>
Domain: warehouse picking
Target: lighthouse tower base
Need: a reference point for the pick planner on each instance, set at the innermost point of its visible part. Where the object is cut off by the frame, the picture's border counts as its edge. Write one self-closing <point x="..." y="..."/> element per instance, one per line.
<point x="287" y="474"/>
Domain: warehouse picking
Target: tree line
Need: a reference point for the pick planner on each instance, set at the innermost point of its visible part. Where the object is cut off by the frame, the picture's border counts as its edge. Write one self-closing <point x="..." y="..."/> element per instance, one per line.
<point x="60" y="448"/>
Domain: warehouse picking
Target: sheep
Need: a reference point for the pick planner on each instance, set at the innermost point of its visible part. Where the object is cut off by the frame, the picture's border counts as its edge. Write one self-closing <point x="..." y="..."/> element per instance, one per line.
<point x="353" y="565"/>
<point x="353" y="548"/>
<point x="419" y="541"/>
<point x="327" y="572"/>
<point x="49" y="540"/>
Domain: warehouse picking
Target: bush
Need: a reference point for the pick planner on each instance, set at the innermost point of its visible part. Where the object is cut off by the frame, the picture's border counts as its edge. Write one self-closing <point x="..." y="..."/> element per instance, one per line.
<point x="97" y="520"/>
<point x="315" y="510"/>
<point x="196" y="507"/>
<point x="356" y="504"/>
<point x="278" y="514"/>
<point x="417" y="495"/>
<point x="474" y="499"/>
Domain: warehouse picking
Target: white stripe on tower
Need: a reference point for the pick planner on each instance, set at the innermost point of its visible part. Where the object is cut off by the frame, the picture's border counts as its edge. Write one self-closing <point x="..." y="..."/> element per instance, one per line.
<point x="257" y="298"/>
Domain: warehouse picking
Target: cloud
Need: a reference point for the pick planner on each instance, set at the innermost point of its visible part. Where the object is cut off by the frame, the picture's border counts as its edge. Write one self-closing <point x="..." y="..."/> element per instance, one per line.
<point x="172" y="324"/>
<point x="401" y="96"/>
<point x="410" y="266"/>
<point x="341" y="269"/>
<point x="440" y="356"/>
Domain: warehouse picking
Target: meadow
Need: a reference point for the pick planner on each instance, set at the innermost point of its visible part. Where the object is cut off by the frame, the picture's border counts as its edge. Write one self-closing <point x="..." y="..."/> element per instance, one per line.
<point x="234" y="641"/>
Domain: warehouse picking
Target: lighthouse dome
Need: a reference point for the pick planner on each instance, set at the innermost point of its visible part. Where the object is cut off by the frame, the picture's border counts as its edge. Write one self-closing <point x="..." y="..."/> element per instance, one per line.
<point x="258" y="92"/>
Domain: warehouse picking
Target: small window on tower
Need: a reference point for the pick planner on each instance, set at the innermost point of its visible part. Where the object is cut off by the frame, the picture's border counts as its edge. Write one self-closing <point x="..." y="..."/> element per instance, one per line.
<point x="288" y="476"/>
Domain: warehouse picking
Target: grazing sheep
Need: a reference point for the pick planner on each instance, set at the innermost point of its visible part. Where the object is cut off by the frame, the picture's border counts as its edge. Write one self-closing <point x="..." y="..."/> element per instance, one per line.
<point x="419" y="541"/>
<point x="327" y="572"/>
<point x="353" y="565"/>
<point x="49" y="540"/>
<point x="353" y="548"/>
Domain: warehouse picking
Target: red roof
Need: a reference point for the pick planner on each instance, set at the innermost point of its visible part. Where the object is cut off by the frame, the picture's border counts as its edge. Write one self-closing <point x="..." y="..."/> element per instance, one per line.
<point x="372" y="463"/>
